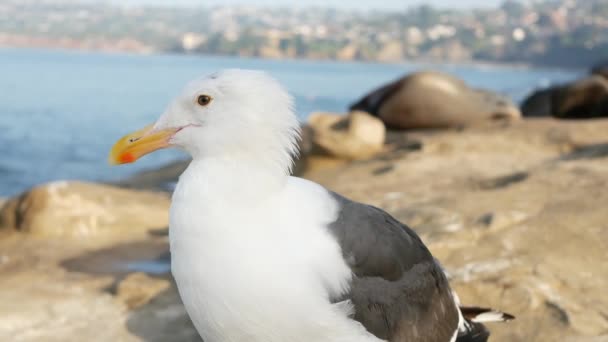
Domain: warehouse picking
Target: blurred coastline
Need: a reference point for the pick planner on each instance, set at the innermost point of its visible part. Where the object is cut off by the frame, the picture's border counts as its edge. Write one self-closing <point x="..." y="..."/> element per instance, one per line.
<point x="562" y="33"/>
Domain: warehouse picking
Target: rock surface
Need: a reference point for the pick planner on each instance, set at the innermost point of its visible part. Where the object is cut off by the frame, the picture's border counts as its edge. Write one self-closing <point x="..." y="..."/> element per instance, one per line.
<point x="138" y="289"/>
<point x="78" y="209"/>
<point x="434" y="100"/>
<point x="357" y="135"/>
<point x="515" y="212"/>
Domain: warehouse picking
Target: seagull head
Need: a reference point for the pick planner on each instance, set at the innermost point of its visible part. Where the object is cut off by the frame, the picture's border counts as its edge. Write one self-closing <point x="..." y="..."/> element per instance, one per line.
<point x="231" y="114"/>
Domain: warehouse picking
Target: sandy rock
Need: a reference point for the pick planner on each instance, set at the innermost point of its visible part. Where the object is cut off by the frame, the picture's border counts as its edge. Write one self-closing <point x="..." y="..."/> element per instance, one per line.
<point x="434" y="100"/>
<point x="39" y="301"/>
<point x="138" y="289"/>
<point x="355" y="136"/>
<point x="163" y="319"/>
<point x="77" y="209"/>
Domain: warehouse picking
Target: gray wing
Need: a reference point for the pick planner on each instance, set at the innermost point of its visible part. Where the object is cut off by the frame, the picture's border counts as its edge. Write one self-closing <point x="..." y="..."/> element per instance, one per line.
<point x="399" y="292"/>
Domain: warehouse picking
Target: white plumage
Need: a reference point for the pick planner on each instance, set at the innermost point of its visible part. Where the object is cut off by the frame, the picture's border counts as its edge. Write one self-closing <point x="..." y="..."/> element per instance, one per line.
<point x="261" y="269"/>
<point x="251" y="255"/>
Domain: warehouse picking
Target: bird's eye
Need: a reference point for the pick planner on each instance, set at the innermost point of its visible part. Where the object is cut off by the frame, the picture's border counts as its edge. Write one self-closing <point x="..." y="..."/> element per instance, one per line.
<point x="204" y="100"/>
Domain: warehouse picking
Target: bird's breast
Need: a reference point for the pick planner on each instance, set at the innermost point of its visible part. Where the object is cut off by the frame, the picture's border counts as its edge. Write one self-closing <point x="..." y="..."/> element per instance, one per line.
<point x="233" y="286"/>
<point x="238" y="268"/>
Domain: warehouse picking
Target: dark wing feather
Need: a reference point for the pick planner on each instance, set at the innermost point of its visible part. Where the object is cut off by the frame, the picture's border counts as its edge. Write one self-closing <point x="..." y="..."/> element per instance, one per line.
<point x="473" y="330"/>
<point x="399" y="292"/>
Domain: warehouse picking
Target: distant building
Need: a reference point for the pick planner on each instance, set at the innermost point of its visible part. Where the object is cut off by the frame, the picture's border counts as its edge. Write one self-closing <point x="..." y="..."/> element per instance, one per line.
<point x="191" y="41"/>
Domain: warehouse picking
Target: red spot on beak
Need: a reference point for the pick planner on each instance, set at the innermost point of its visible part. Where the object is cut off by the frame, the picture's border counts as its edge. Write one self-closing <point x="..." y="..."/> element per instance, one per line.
<point x="127" y="158"/>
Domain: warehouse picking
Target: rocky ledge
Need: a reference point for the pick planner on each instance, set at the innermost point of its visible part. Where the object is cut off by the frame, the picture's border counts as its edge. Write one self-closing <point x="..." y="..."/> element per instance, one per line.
<point x="515" y="212"/>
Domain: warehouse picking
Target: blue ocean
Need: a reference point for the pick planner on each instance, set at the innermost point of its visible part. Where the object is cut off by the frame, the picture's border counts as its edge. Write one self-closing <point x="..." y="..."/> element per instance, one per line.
<point x="60" y="111"/>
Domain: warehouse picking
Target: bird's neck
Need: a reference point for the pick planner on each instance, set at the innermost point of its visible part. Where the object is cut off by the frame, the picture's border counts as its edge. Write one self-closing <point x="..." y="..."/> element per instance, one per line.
<point x="232" y="179"/>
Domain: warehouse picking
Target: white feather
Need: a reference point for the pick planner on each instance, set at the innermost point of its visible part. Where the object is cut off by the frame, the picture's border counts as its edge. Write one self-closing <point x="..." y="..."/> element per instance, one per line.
<point x="490" y="316"/>
<point x="250" y="252"/>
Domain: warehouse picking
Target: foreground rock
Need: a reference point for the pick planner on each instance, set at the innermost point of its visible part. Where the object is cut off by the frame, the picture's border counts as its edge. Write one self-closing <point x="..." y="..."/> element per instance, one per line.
<point x="357" y="135"/>
<point x="434" y="100"/>
<point x="78" y="209"/>
<point x="582" y="99"/>
<point x="516" y="214"/>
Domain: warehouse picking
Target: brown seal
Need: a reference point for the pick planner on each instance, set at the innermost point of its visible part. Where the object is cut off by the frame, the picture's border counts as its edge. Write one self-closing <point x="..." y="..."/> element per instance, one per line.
<point x="582" y="99"/>
<point x="434" y="100"/>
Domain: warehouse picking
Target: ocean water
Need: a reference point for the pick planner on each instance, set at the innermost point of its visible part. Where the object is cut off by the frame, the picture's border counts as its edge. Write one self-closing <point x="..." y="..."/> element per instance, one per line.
<point x="61" y="111"/>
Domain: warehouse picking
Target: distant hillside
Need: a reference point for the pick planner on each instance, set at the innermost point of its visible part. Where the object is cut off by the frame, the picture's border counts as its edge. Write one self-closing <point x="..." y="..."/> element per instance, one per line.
<point x="554" y="33"/>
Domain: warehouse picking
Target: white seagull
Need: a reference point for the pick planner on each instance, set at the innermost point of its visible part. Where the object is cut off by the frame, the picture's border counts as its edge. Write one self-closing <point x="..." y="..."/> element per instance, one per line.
<point x="260" y="256"/>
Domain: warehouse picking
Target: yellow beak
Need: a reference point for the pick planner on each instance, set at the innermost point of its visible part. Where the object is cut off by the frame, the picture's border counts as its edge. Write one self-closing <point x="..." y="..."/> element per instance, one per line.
<point x="137" y="144"/>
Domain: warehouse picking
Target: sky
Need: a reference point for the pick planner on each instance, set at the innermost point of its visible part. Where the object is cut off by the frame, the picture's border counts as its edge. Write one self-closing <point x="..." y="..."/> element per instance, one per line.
<point x="344" y="4"/>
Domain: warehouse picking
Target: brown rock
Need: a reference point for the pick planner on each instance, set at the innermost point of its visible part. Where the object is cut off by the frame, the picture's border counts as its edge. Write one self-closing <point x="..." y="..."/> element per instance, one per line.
<point x="77" y="209"/>
<point x="163" y="319"/>
<point x="138" y="289"/>
<point x="434" y="100"/>
<point x="355" y="136"/>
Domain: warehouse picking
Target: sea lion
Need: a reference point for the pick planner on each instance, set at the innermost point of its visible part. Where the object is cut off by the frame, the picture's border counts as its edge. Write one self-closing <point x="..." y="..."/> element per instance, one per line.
<point x="582" y="99"/>
<point x="431" y="99"/>
<point x="600" y="69"/>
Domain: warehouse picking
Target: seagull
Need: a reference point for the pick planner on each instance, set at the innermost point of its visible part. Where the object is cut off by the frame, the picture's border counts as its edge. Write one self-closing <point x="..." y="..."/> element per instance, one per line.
<point x="261" y="256"/>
